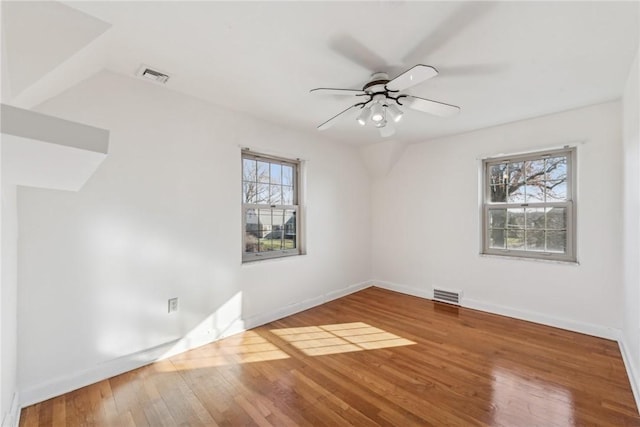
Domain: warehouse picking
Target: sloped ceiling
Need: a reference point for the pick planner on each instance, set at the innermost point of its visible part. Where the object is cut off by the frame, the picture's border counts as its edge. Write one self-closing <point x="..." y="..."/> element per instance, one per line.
<point x="40" y="36"/>
<point x="499" y="61"/>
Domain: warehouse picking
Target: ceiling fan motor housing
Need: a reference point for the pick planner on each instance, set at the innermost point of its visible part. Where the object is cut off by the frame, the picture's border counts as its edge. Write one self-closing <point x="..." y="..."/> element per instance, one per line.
<point x="377" y="84"/>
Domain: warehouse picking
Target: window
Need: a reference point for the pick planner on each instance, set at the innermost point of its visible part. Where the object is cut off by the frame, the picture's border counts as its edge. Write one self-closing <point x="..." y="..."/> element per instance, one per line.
<point x="528" y="208"/>
<point x="269" y="207"/>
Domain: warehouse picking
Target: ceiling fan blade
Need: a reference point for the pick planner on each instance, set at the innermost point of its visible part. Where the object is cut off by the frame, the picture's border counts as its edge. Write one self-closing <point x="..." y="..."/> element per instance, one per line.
<point x="463" y="17"/>
<point x="355" y="51"/>
<point x="412" y="77"/>
<point x="387" y="131"/>
<point x="432" y="107"/>
<point x="340" y="92"/>
<point x="334" y="119"/>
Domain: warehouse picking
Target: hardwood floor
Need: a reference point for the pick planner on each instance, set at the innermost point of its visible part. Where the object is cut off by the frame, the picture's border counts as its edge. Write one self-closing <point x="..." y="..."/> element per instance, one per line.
<point x="372" y="358"/>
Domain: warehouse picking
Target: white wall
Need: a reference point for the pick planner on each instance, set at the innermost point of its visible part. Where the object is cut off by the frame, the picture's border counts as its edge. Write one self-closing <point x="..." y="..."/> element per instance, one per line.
<point x="426" y="222"/>
<point x="161" y="219"/>
<point x="9" y="292"/>
<point x="8" y="299"/>
<point x="631" y="224"/>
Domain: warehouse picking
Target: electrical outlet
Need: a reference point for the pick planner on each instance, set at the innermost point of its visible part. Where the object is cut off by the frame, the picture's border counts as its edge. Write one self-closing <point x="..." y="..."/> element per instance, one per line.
<point x="173" y="305"/>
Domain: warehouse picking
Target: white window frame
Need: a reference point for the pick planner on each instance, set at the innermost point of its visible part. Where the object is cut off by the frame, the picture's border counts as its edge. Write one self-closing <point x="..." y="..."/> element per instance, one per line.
<point x="570" y="246"/>
<point x="295" y="164"/>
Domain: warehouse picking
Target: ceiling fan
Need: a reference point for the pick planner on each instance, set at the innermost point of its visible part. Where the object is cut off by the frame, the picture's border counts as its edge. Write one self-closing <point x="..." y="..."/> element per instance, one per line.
<point x="381" y="99"/>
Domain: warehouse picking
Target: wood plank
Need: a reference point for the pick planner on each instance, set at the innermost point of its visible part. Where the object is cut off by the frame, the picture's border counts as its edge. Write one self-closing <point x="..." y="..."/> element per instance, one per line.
<point x="371" y="358"/>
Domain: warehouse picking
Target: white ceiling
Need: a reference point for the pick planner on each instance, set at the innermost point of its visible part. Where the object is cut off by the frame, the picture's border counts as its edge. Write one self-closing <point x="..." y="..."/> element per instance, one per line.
<point x="498" y="61"/>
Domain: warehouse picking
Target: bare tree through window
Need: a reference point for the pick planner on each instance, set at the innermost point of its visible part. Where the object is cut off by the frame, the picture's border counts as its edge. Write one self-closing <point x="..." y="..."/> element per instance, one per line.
<point x="269" y="204"/>
<point x="528" y="205"/>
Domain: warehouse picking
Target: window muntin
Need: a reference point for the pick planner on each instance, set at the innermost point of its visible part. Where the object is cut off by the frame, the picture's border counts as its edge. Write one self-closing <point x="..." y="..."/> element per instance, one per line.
<point x="528" y="206"/>
<point x="269" y="207"/>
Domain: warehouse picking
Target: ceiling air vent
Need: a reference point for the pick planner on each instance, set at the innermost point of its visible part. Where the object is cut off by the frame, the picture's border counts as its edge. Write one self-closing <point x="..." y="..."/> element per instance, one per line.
<point x="443" y="295"/>
<point x="153" y="75"/>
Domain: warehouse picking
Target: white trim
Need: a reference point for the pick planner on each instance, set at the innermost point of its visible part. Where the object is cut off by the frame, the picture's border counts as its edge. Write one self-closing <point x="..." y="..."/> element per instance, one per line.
<point x="632" y="371"/>
<point x="12" y="418"/>
<point x="64" y="384"/>
<point x="533" y="150"/>
<point x="544" y="319"/>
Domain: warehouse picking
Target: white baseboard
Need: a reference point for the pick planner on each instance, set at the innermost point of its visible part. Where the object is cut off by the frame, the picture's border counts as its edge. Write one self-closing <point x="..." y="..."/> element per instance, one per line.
<point x="12" y="418"/>
<point x="632" y="371"/>
<point x="60" y="385"/>
<point x="531" y="316"/>
<point x="64" y="384"/>
<point x="544" y="319"/>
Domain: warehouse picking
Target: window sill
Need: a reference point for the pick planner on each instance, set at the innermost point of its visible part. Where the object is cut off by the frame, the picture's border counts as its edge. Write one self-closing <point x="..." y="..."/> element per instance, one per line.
<point x="523" y="258"/>
<point x="260" y="260"/>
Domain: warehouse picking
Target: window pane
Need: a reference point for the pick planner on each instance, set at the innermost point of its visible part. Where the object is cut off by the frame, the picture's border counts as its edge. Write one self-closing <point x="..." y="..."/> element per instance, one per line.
<point x="249" y="192"/>
<point x="534" y="171"/>
<point x="251" y="242"/>
<point x="535" y="218"/>
<point x="287" y="175"/>
<point x="556" y="191"/>
<point x="557" y="241"/>
<point x="515" y="218"/>
<point x="263" y="193"/>
<point x="277" y="216"/>
<point x="516" y="173"/>
<point x="515" y="191"/>
<point x="275" y="194"/>
<point x="249" y="170"/>
<point x="497" y="239"/>
<point x="497" y="218"/>
<point x="289" y="229"/>
<point x="534" y="193"/>
<point x="497" y="181"/>
<point x="251" y="222"/>
<point x="515" y="239"/>
<point x="498" y="193"/>
<point x="557" y="218"/>
<point x="252" y="230"/>
<point x="263" y="172"/>
<point x="287" y="195"/>
<point x="265" y="222"/>
<point x="556" y="168"/>
<point x="270" y="244"/>
<point x="275" y="175"/>
<point x="516" y="194"/>
<point x="534" y="240"/>
<point x="272" y="240"/>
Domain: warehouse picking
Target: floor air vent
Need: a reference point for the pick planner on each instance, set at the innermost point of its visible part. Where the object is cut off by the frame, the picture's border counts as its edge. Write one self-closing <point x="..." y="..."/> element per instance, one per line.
<point x="451" y="297"/>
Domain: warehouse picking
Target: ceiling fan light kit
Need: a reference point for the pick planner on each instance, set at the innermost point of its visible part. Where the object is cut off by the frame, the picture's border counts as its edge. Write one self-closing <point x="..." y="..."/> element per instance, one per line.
<point x="395" y="113"/>
<point x="382" y="98"/>
<point x="364" y="116"/>
<point x="377" y="113"/>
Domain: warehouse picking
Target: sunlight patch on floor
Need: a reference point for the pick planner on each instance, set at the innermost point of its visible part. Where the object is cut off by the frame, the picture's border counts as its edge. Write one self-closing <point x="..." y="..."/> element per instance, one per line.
<point x="247" y="347"/>
<point x="339" y="338"/>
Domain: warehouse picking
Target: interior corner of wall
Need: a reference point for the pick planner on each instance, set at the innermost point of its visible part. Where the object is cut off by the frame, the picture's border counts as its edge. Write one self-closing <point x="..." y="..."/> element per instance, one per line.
<point x="380" y="158"/>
